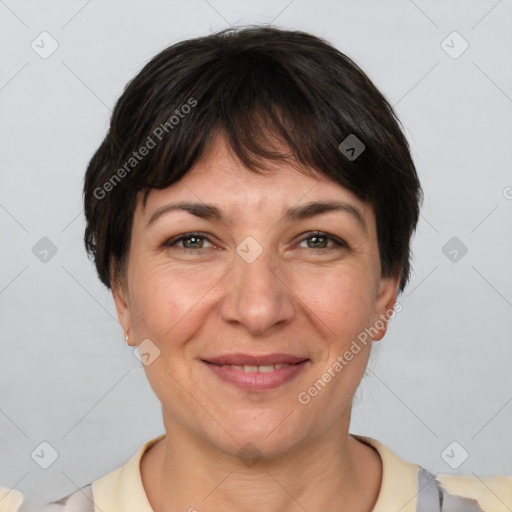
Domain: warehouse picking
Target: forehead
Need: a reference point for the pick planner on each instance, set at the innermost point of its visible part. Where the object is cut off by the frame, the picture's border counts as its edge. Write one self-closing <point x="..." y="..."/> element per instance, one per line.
<point x="221" y="179"/>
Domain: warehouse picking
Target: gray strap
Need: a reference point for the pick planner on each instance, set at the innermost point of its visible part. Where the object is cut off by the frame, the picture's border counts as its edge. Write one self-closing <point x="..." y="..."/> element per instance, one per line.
<point x="429" y="495"/>
<point x="432" y="497"/>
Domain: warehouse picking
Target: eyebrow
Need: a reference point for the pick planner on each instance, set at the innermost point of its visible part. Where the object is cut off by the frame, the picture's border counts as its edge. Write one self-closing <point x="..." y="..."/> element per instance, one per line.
<point x="301" y="212"/>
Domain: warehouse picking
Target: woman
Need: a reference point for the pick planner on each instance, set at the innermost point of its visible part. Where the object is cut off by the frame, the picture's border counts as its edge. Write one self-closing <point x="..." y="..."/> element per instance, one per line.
<point x="251" y="208"/>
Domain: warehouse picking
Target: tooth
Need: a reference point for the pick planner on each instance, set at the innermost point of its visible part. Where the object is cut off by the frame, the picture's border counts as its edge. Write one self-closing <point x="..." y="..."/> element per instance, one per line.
<point x="266" y="368"/>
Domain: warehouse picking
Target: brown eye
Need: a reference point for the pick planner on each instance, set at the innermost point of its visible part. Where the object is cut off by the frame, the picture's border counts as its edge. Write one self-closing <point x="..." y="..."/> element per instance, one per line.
<point x="189" y="241"/>
<point x="319" y="240"/>
<point x="193" y="242"/>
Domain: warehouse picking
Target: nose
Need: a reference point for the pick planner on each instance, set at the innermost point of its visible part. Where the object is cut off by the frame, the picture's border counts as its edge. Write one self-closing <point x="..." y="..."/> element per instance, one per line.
<point x="258" y="295"/>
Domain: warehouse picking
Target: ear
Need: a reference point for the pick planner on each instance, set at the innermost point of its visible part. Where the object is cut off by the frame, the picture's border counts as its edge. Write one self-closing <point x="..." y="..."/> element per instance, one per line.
<point x="385" y="302"/>
<point x="121" y="299"/>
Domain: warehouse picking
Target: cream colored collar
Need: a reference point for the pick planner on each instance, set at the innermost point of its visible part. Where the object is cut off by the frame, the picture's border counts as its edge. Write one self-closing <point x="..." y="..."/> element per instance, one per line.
<point x="123" y="490"/>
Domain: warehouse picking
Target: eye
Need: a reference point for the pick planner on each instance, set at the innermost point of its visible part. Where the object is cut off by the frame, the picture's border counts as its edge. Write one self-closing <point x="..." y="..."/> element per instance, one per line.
<point x="319" y="240"/>
<point x="191" y="241"/>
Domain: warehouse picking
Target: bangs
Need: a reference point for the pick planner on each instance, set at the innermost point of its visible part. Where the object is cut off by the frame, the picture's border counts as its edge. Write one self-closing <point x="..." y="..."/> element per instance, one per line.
<point x="265" y="114"/>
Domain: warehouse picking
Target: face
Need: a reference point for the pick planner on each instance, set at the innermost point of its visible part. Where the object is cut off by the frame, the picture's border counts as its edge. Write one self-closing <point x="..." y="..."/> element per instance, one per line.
<point x="250" y="301"/>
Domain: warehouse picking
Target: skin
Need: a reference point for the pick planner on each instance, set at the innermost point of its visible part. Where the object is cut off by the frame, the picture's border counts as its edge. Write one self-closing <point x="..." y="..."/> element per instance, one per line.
<point x="301" y="296"/>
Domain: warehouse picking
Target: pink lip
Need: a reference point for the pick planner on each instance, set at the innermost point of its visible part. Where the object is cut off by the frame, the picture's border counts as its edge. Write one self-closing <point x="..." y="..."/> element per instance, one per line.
<point x="257" y="381"/>
<point x="255" y="360"/>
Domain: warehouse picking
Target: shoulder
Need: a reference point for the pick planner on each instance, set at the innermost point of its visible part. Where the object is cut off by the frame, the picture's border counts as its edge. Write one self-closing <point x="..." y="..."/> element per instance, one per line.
<point x="436" y="492"/>
<point x="493" y="494"/>
<point x="10" y="500"/>
<point x="119" y="490"/>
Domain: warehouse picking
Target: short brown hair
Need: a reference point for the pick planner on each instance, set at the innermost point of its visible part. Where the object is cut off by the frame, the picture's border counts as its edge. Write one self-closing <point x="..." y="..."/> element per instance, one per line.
<point x="248" y="83"/>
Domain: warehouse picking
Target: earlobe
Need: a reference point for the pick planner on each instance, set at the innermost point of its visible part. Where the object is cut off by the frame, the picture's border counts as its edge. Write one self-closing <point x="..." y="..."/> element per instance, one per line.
<point x="127" y="339"/>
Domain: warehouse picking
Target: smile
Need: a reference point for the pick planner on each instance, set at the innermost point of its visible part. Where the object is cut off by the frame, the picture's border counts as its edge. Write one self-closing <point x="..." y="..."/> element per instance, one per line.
<point x="257" y="377"/>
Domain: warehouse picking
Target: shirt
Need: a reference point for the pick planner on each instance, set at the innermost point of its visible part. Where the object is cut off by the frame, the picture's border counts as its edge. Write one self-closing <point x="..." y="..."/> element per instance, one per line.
<point x="405" y="487"/>
<point x="10" y="500"/>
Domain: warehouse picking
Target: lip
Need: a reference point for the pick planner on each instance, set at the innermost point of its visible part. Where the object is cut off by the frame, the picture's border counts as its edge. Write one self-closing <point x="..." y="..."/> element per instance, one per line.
<point x="256" y="360"/>
<point x="257" y="381"/>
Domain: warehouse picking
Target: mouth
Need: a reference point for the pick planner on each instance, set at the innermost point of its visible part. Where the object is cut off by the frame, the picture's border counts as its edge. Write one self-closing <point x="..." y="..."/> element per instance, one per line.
<point x="257" y="373"/>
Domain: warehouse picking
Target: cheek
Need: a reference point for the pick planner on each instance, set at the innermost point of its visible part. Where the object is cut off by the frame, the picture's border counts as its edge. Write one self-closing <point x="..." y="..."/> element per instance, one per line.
<point x="165" y="301"/>
<point x="342" y="301"/>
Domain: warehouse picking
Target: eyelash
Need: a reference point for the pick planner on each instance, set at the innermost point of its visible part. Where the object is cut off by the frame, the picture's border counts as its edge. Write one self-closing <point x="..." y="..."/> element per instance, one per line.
<point x="338" y="243"/>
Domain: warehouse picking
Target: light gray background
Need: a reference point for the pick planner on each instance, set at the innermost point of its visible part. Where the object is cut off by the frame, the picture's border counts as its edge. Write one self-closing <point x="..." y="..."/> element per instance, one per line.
<point x="443" y="372"/>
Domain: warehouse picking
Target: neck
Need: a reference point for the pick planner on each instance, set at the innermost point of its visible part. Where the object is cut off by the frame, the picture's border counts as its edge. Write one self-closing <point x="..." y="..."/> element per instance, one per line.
<point x="337" y="472"/>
